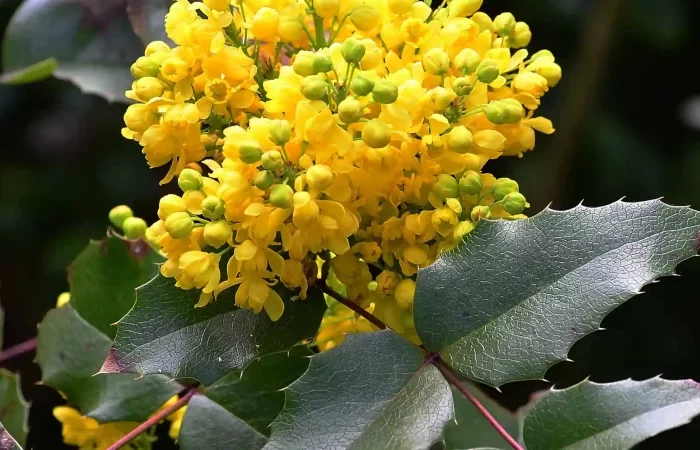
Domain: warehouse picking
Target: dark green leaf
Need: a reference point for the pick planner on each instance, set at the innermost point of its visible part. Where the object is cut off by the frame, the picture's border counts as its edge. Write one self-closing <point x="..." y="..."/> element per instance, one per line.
<point x="165" y="333"/>
<point x="70" y="351"/>
<point x="513" y="298"/>
<point x="35" y="72"/>
<point x="471" y="430"/>
<point x="103" y="279"/>
<point x="92" y="41"/>
<point x="610" y="416"/>
<point x="148" y="19"/>
<point x="7" y="442"/>
<point x="373" y="391"/>
<point x="13" y="410"/>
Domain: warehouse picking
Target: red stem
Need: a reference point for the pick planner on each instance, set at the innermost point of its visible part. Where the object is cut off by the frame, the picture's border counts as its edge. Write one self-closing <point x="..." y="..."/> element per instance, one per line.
<point x="19" y="349"/>
<point x="354" y="306"/>
<point x="153" y="420"/>
<point x="452" y="378"/>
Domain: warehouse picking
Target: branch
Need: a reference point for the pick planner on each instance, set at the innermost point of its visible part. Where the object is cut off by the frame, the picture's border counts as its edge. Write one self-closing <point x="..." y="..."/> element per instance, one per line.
<point x="19" y="349"/>
<point x="453" y="380"/>
<point x="154" y="419"/>
<point x="374" y="320"/>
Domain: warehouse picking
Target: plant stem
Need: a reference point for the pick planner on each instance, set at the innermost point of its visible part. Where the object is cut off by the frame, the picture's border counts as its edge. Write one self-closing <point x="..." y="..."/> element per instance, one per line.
<point x="19" y="349"/>
<point x="355" y="307"/>
<point x="153" y="420"/>
<point x="453" y="380"/>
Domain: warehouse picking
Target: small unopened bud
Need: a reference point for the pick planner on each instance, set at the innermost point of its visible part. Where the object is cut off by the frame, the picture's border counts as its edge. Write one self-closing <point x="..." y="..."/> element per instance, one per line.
<point x="134" y="227"/>
<point x="546" y="54"/>
<point x="462" y="86"/>
<point x="189" y="180"/>
<point x="179" y="225"/>
<point x="446" y="187"/>
<point x="272" y="160"/>
<point x="551" y="72"/>
<point x="326" y="9"/>
<point x="170" y="204"/>
<point x="281" y="196"/>
<point x="264" y="23"/>
<point x="350" y="110"/>
<point x="145" y="67"/>
<point x="249" y="152"/>
<point x="304" y="63"/>
<point x="387" y="282"/>
<point x="497" y="112"/>
<point x="352" y="50"/>
<point x="212" y="207"/>
<point x="504" y="186"/>
<point x="217" y="233"/>
<point x="514" y="203"/>
<point x="504" y="24"/>
<point x="322" y="64"/>
<point x="400" y="6"/>
<point x="119" y="214"/>
<point x="488" y="71"/>
<point x="314" y="88"/>
<point x="361" y="86"/>
<point x="280" y="131"/>
<point x="263" y="180"/>
<point x="521" y="35"/>
<point x="365" y="17"/>
<point x="156" y="47"/>
<point x="459" y="139"/>
<point x="483" y="20"/>
<point x="147" y="88"/>
<point x="436" y="61"/>
<point x="385" y="92"/>
<point x="480" y="212"/>
<point x="470" y="183"/>
<point x="405" y="293"/>
<point x="63" y="299"/>
<point x="463" y="8"/>
<point x="516" y="112"/>
<point x="319" y="177"/>
<point x="376" y="134"/>
<point x="467" y="61"/>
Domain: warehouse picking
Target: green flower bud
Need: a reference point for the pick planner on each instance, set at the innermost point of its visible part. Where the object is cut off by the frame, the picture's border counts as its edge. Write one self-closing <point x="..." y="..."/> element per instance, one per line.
<point x="322" y="64"/>
<point x="350" y="110"/>
<point x="504" y="186"/>
<point x="521" y="35"/>
<point x="470" y="183"/>
<point x="249" y="152"/>
<point x="119" y="214"/>
<point x="272" y="160"/>
<point x="281" y="196"/>
<point x="189" y="180"/>
<point x="314" y="88"/>
<point x="179" y="225"/>
<point x="467" y="61"/>
<point x="516" y="112"/>
<point x="217" y="233"/>
<point x="212" y="207"/>
<point x="436" y="61"/>
<point x="497" y="112"/>
<point x="514" y="203"/>
<point x="146" y="88"/>
<point x="361" y="86"/>
<point x="145" y="67"/>
<point x="352" y="50"/>
<point x="459" y="139"/>
<point x="446" y="187"/>
<point x="480" y="212"/>
<point x="488" y="71"/>
<point x="462" y="86"/>
<point x="280" y="132"/>
<point x="365" y="17"/>
<point x="385" y="92"/>
<point x="376" y="134"/>
<point x="263" y="180"/>
<point x="304" y="63"/>
<point x="134" y="227"/>
<point x="504" y="24"/>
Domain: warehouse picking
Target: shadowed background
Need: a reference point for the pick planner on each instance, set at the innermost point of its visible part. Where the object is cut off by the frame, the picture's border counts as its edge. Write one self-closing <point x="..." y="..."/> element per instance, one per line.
<point x="627" y="115"/>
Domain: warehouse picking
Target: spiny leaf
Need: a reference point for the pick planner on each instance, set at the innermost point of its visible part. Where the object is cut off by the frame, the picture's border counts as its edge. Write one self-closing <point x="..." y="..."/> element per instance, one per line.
<point x="13" y="411"/>
<point x="103" y="279"/>
<point x="610" y="416"/>
<point x="512" y="299"/>
<point x="92" y="41"/>
<point x="373" y="391"/>
<point x="70" y="351"/>
<point x="165" y="333"/>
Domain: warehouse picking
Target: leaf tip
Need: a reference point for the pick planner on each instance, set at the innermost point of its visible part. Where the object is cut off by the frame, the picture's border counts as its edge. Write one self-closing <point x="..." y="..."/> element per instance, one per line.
<point x="113" y="363"/>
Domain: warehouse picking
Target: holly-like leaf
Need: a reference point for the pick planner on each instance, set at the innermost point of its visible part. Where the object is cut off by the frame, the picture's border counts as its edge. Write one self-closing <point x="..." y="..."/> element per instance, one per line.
<point x="512" y="299"/>
<point x="373" y="391"/>
<point x="70" y="351"/>
<point x="147" y="19"/>
<point x="165" y="333"/>
<point x="471" y="430"/>
<point x="92" y="41"/>
<point x="247" y="402"/>
<point x="13" y="411"/>
<point x="36" y="72"/>
<point x="610" y="416"/>
<point x="104" y="276"/>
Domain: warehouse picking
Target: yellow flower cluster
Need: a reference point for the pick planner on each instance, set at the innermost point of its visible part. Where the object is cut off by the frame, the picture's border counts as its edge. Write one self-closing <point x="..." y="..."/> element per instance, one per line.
<point x="353" y="131"/>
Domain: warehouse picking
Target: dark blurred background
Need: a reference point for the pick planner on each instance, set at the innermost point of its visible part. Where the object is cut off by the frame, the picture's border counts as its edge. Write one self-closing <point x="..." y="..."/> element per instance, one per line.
<point x="627" y="115"/>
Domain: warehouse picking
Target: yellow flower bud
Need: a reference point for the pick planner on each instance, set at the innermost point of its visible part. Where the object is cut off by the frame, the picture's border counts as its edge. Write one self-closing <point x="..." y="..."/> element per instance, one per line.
<point x="497" y="112"/>
<point x="272" y="160"/>
<point x="193" y="200"/>
<point x="264" y="23"/>
<point x="462" y="86"/>
<point x="134" y="227"/>
<point x="464" y="8"/>
<point x="63" y="299"/>
<point x="280" y="131"/>
<point x="212" y="207"/>
<point x="217" y="233"/>
<point x="404" y="294"/>
<point x="218" y="5"/>
<point x="189" y="180"/>
<point x="467" y="61"/>
<point x="376" y="134"/>
<point x="459" y="139"/>
<point x="139" y="117"/>
<point x="322" y="64"/>
<point x="361" y="86"/>
<point x="521" y="35"/>
<point x="263" y="180"/>
<point x="147" y="87"/>
<point x="551" y="72"/>
<point x="446" y="187"/>
<point x="387" y="282"/>
<point x="514" y="203"/>
<point x="480" y="212"/>
<point x="156" y="47"/>
<point x="542" y="54"/>
<point x="504" y="23"/>
<point x="436" y="61"/>
<point x="385" y="92"/>
<point x="319" y="177"/>
<point x="470" y="183"/>
<point x="400" y="6"/>
<point x="488" y="71"/>
<point x="170" y="204"/>
<point x="145" y="67"/>
<point x="281" y="196"/>
<point x="119" y="214"/>
<point x="304" y="63"/>
<point x="530" y="82"/>
<point x="250" y="152"/>
<point x="290" y="28"/>
<point x="352" y="50"/>
<point x="504" y="186"/>
<point x="483" y="20"/>
<point x="154" y="232"/>
<point x="314" y="88"/>
<point x="179" y="225"/>
<point x="326" y="9"/>
<point x="365" y="17"/>
<point x="350" y="110"/>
